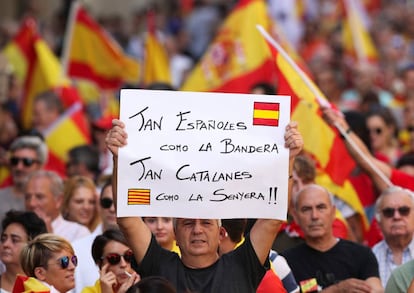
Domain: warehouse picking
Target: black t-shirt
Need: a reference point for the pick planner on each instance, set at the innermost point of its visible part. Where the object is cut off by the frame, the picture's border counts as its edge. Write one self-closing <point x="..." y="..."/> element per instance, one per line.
<point x="237" y="271"/>
<point x="344" y="260"/>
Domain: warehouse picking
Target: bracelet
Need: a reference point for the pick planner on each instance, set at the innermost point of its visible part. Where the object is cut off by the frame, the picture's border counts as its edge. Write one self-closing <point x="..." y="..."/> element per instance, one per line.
<point x="348" y="131"/>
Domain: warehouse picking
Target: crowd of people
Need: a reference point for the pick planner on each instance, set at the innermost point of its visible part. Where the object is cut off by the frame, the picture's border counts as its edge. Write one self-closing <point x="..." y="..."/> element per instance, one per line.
<point x="59" y="227"/>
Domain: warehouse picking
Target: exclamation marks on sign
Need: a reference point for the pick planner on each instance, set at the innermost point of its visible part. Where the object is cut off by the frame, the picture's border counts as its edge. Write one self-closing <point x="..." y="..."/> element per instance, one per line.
<point x="273" y="195"/>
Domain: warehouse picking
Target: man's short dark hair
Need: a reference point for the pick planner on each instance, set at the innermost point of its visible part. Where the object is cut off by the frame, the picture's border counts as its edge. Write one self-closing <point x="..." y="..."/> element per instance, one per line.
<point x="234" y="228"/>
<point x="87" y="155"/>
<point x="268" y="88"/>
<point x="51" y="100"/>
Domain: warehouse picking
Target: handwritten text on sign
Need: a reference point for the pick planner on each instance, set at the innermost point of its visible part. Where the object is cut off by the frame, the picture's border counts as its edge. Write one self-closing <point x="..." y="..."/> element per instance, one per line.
<point x="203" y="155"/>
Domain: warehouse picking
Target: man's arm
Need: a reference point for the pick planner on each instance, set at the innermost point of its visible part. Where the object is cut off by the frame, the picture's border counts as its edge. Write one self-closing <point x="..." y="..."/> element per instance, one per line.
<point x="370" y="285"/>
<point x="134" y="228"/>
<point x="364" y="157"/>
<point x="264" y="231"/>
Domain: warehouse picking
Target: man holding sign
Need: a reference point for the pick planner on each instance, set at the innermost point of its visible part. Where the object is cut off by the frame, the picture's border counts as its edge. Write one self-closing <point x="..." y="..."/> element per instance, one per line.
<point x="200" y="268"/>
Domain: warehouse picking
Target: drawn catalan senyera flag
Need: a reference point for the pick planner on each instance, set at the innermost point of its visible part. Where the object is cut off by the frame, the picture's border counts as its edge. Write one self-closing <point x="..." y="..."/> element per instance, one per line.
<point x="266" y="114"/>
<point x="139" y="196"/>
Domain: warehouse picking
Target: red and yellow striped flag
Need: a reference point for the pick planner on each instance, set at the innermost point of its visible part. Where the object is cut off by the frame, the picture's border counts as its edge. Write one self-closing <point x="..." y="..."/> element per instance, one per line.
<point x="24" y="284"/>
<point x="156" y="62"/>
<point x="139" y="196"/>
<point x="320" y="141"/>
<point x="35" y="65"/>
<point x="71" y="130"/>
<point x="310" y="285"/>
<point x="237" y="58"/>
<point x="266" y="114"/>
<point x="93" y="55"/>
<point x="356" y="37"/>
<point x="5" y="176"/>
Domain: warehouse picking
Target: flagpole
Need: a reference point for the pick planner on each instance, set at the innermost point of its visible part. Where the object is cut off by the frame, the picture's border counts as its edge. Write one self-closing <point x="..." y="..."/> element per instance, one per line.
<point x="68" y="37"/>
<point x="321" y="101"/>
<point x="303" y="76"/>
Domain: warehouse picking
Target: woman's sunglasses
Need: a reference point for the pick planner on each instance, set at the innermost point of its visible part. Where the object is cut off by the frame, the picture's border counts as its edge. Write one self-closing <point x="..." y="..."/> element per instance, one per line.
<point x="115" y="258"/>
<point x="106" y="202"/>
<point x="64" y="261"/>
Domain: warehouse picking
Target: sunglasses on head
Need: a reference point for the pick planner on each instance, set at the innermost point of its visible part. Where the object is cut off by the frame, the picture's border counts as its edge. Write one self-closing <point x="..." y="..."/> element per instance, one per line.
<point x="376" y="130"/>
<point x="64" y="261"/>
<point x="27" y="162"/>
<point x="390" y="212"/>
<point x="106" y="202"/>
<point x="115" y="258"/>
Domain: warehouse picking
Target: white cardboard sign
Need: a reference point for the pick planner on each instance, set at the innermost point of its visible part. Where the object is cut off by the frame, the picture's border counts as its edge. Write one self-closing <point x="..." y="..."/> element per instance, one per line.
<point x="203" y="155"/>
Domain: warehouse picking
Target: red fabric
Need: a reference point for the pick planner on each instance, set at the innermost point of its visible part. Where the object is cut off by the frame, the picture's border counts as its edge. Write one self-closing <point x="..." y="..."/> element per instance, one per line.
<point x="8" y="181"/>
<point x="104" y="123"/>
<point x="339" y="229"/>
<point x="19" y="284"/>
<point x="55" y="164"/>
<point x="270" y="283"/>
<point x="362" y="184"/>
<point x="402" y="179"/>
<point x="25" y="284"/>
<point x="69" y="95"/>
<point x="374" y="234"/>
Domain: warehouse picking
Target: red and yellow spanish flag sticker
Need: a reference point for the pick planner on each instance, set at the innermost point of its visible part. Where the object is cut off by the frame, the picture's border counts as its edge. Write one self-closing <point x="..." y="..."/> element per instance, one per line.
<point x="139" y="196"/>
<point x="310" y="285"/>
<point x="266" y="114"/>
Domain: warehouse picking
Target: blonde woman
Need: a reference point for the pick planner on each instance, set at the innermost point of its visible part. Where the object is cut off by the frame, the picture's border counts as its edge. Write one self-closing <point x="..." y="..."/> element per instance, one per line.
<point x="80" y="202"/>
<point x="49" y="263"/>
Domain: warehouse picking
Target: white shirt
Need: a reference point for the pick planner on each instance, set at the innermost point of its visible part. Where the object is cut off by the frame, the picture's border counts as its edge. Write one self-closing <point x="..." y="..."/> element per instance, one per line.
<point x="69" y="230"/>
<point x="87" y="272"/>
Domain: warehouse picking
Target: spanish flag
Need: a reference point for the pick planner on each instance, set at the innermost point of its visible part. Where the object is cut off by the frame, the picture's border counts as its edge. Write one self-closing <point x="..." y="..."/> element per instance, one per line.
<point x="35" y="65"/>
<point x="139" y="196"/>
<point x="237" y="58"/>
<point x="91" y="54"/>
<point x="24" y="284"/>
<point x="321" y="142"/>
<point x="69" y="131"/>
<point x="5" y="176"/>
<point x="156" y="62"/>
<point x="266" y="114"/>
<point x="310" y="285"/>
<point x="356" y="37"/>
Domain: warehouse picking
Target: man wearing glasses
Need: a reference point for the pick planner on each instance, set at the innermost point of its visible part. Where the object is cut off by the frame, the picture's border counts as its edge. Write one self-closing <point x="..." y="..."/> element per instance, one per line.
<point x="26" y="154"/>
<point x="395" y="216"/>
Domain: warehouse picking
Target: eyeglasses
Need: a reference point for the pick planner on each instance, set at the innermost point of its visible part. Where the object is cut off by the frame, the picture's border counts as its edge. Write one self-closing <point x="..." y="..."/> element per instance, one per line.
<point x="27" y="162"/>
<point x="410" y="128"/>
<point x="390" y="212"/>
<point x="115" y="258"/>
<point x="376" y="130"/>
<point x="106" y="202"/>
<point x="64" y="261"/>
